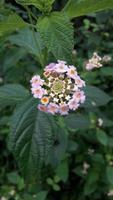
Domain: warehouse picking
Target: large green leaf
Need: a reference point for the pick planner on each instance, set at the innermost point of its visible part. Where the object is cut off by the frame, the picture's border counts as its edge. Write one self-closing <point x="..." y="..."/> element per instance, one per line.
<point x="31" y="138"/>
<point x="77" y="121"/>
<point x="75" y="8"/>
<point x="29" y="40"/>
<point x="95" y="97"/>
<point x="12" y="23"/>
<point x="12" y="94"/>
<point x="57" y="33"/>
<point x="40" y="4"/>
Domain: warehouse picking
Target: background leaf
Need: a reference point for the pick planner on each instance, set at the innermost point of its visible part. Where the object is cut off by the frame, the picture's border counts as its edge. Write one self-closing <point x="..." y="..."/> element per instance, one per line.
<point x="95" y="97"/>
<point x="77" y="121"/>
<point x="12" y="94"/>
<point x="102" y="137"/>
<point x="29" y="40"/>
<point x="83" y="7"/>
<point x="109" y="171"/>
<point x="12" y="23"/>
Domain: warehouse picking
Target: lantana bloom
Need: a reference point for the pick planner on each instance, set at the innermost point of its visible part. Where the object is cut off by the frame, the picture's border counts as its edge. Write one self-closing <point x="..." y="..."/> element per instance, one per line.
<point x="94" y="62"/>
<point x="60" y="90"/>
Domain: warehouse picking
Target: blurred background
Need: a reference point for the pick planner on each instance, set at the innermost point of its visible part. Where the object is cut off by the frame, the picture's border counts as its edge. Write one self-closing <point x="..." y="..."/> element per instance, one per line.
<point x="82" y="175"/>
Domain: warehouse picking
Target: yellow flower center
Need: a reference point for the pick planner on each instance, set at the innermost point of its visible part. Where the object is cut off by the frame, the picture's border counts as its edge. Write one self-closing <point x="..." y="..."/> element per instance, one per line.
<point x="58" y="86"/>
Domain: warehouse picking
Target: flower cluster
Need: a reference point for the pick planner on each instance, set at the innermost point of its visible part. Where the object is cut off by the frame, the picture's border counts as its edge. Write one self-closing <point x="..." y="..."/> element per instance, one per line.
<point x="61" y="89"/>
<point x="94" y="62"/>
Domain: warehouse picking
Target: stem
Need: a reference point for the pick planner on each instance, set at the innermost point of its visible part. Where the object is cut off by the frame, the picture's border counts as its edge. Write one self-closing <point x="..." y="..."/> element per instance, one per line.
<point x="40" y="57"/>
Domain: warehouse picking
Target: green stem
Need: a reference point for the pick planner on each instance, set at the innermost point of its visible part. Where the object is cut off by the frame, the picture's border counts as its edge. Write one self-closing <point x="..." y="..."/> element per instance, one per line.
<point x="40" y="57"/>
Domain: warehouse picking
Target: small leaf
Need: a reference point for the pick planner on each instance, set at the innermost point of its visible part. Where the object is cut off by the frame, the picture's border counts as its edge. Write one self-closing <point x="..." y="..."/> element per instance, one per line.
<point x="109" y="172"/>
<point x="56" y="187"/>
<point x="91" y="183"/>
<point x="83" y="7"/>
<point x="41" y="195"/>
<point x="12" y="23"/>
<point x="102" y="137"/>
<point x="95" y="97"/>
<point x="63" y="171"/>
<point x="77" y="121"/>
<point x="57" y="34"/>
<point x="12" y="94"/>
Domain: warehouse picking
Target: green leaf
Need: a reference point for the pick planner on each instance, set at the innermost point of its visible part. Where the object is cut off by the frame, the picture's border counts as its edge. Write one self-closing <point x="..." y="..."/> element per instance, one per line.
<point x="57" y="34"/>
<point x="31" y="138"/>
<point x="63" y="171"/>
<point x="91" y="183"/>
<point x="43" y="5"/>
<point x="109" y="172"/>
<point x="12" y="94"/>
<point x="77" y="121"/>
<point x="12" y="23"/>
<point x="41" y="195"/>
<point x="95" y="97"/>
<point x="83" y="7"/>
<point x="29" y="40"/>
<point x="102" y="137"/>
<point x="107" y="71"/>
<point x="12" y="57"/>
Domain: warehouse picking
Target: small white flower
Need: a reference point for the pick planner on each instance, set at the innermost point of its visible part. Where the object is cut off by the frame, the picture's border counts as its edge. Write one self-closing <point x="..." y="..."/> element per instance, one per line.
<point x="68" y="97"/>
<point x="93" y="103"/>
<point x="56" y="100"/>
<point x="61" y="95"/>
<point x="3" y="198"/>
<point x="110" y="193"/>
<point x="100" y="122"/>
<point x="52" y="94"/>
<point x="68" y="87"/>
<point x="12" y="192"/>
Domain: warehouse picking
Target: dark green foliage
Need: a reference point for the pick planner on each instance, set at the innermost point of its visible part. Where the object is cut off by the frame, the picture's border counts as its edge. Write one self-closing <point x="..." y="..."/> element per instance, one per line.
<point x="46" y="157"/>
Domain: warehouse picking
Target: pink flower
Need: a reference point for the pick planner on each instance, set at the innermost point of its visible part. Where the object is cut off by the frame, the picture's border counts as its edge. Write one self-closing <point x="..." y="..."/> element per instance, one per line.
<point x="73" y="105"/>
<point x="38" y="92"/>
<point x="72" y="73"/>
<point x="50" y="67"/>
<point x="53" y="108"/>
<point x="42" y="108"/>
<point x="64" y="109"/>
<point x="79" y="96"/>
<point x="80" y="83"/>
<point x="36" y="80"/>
<point x="89" y="66"/>
<point x="61" y="67"/>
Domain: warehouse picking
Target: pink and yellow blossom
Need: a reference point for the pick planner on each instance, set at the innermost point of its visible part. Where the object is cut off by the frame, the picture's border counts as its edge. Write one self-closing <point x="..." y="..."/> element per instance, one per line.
<point x="60" y="91"/>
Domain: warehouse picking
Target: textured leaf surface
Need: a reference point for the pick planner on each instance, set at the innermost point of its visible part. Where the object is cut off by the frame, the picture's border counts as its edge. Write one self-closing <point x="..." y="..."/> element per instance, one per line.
<point x="57" y="34"/>
<point x="40" y="4"/>
<point x="95" y="97"/>
<point x="12" y="23"/>
<point x="11" y="94"/>
<point x="77" y="121"/>
<point x="31" y="138"/>
<point x="83" y="7"/>
<point x="25" y="38"/>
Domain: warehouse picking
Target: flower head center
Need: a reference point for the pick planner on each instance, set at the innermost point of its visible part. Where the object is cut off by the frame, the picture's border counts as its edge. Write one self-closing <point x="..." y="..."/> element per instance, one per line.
<point x="58" y="86"/>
